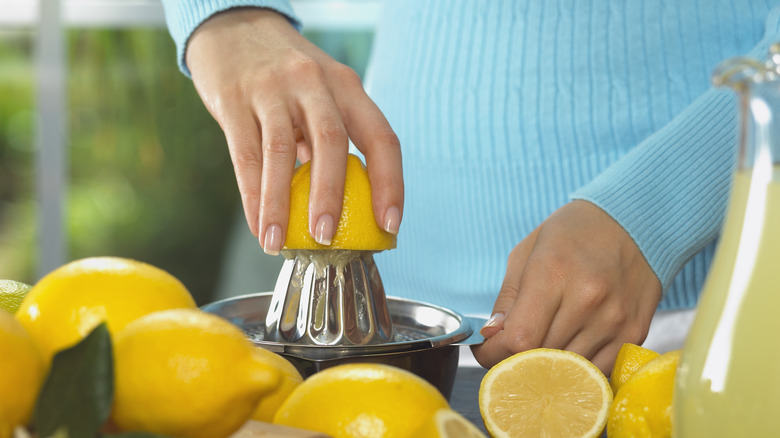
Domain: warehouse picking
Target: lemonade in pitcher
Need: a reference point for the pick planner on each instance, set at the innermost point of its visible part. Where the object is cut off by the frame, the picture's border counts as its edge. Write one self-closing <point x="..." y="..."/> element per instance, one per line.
<point x="728" y="382"/>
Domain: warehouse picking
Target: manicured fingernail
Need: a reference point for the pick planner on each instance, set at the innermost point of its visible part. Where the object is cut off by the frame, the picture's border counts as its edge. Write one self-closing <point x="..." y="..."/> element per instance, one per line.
<point x="272" y="243"/>
<point x="494" y="320"/>
<point x="323" y="232"/>
<point x="392" y="220"/>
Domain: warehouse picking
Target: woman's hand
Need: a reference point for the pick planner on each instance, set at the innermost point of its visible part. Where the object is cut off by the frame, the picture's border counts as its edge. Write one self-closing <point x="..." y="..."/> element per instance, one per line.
<point x="578" y="282"/>
<point x="277" y="97"/>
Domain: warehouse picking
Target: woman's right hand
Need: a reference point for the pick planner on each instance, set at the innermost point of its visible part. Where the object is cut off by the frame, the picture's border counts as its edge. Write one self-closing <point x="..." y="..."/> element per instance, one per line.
<point x="277" y="96"/>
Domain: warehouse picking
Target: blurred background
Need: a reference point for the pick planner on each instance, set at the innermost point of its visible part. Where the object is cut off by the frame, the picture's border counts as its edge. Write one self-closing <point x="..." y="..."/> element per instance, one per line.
<point x="106" y="149"/>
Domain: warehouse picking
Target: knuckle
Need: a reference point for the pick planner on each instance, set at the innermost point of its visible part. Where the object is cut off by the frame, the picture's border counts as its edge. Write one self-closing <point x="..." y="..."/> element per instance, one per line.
<point x="615" y="316"/>
<point x="593" y="291"/>
<point x="387" y="137"/>
<point x="347" y="75"/>
<point x="331" y="132"/>
<point x="246" y="159"/>
<point x="508" y="293"/>
<point x="515" y="255"/>
<point x="300" y="65"/>
<point x="520" y="341"/>
<point x="279" y="145"/>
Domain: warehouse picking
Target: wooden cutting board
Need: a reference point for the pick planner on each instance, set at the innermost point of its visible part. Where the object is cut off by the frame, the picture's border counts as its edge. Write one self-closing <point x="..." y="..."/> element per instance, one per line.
<point x="257" y="429"/>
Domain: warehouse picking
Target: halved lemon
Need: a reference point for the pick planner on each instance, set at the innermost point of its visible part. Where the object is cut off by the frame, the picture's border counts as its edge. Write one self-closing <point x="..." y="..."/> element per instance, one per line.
<point x="630" y="358"/>
<point x="447" y="423"/>
<point x="357" y="229"/>
<point x="545" y="392"/>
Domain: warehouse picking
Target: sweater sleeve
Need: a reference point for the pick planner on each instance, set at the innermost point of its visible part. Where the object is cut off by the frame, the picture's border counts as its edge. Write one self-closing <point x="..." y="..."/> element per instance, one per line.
<point x="671" y="191"/>
<point x="184" y="16"/>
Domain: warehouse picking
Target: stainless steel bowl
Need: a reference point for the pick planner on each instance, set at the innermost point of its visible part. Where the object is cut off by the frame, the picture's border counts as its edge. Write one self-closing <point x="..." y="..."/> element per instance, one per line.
<point x="425" y="338"/>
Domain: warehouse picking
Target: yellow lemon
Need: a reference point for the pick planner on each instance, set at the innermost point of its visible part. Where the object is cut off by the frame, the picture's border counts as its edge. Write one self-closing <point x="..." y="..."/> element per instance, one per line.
<point x="630" y="358"/>
<point x="290" y="379"/>
<point x="446" y="423"/>
<point x="65" y="305"/>
<point x="643" y="404"/>
<point x="357" y="228"/>
<point x="22" y="371"/>
<point x="361" y="400"/>
<point x="187" y="373"/>
<point x="545" y="392"/>
<point x="11" y="294"/>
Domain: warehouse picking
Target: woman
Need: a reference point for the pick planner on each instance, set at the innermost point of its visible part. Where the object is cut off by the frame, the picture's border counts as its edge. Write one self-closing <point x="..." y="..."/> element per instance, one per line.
<point x="567" y="164"/>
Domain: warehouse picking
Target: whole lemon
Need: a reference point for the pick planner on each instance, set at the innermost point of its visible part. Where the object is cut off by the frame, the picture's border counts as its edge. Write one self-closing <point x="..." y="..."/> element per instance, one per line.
<point x="643" y="404"/>
<point x="187" y="373"/>
<point x="12" y="293"/>
<point x="356" y="230"/>
<point x="361" y="400"/>
<point x="22" y="371"/>
<point x="65" y="305"/>
<point x="290" y="379"/>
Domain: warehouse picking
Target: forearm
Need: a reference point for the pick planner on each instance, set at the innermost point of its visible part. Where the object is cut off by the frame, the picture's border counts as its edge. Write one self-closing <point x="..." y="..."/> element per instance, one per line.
<point x="670" y="193"/>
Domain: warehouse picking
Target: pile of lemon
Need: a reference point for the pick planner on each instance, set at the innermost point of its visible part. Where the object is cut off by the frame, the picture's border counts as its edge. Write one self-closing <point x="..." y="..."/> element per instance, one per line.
<point x="555" y="393"/>
<point x="182" y="372"/>
<point x="166" y="352"/>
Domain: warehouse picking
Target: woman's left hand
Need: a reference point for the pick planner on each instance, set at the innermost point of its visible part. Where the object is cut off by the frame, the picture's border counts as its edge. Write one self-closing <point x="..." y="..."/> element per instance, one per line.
<point x="578" y="282"/>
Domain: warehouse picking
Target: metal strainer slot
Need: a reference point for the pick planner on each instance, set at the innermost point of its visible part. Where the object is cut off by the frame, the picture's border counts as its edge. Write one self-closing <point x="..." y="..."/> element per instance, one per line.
<point x="329" y="297"/>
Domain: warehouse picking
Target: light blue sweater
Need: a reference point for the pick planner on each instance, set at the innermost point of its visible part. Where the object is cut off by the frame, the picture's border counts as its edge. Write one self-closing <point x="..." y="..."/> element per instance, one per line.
<point x="508" y="109"/>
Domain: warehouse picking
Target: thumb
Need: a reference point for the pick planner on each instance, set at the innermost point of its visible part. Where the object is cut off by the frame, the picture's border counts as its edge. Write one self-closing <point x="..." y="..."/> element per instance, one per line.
<point x="494" y="324"/>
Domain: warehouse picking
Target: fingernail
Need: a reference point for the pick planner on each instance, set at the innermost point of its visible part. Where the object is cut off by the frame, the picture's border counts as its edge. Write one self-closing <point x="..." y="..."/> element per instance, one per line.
<point x="494" y="320"/>
<point x="323" y="232"/>
<point x="272" y="243"/>
<point x="392" y="220"/>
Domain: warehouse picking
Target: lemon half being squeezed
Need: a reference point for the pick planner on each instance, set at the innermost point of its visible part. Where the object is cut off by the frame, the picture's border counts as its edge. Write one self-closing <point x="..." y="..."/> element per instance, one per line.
<point x="357" y="229"/>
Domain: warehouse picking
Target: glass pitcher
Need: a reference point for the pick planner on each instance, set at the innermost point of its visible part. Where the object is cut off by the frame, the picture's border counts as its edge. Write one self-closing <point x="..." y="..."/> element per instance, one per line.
<point x="728" y="382"/>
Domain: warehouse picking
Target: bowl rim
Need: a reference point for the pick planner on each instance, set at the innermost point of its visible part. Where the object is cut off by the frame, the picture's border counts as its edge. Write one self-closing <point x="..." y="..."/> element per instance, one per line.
<point x="232" y="310"/>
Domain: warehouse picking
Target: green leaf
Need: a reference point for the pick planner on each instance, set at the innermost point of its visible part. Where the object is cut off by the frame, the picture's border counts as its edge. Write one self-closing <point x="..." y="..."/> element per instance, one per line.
<point x="77" y="394"/>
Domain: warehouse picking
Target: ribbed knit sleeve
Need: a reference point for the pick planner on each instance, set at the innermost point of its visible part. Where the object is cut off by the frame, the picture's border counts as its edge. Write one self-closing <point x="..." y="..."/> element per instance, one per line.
<point x="670" y="192"/>
<point x="184" y="16"/>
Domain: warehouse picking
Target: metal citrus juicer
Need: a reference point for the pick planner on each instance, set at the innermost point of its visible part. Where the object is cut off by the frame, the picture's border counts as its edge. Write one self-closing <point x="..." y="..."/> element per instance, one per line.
<point x="329" y="307"/>
<point x="329" y="297"/>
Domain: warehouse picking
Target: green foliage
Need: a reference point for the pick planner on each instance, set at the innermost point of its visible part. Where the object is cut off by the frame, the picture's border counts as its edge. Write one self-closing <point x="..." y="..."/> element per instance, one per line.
<point x="16" y="156"/>
<point x="151" y="176"/>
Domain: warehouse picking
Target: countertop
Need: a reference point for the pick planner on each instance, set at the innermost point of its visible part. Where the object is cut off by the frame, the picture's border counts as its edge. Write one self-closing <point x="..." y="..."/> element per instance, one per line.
<point x="465" y="394"/>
